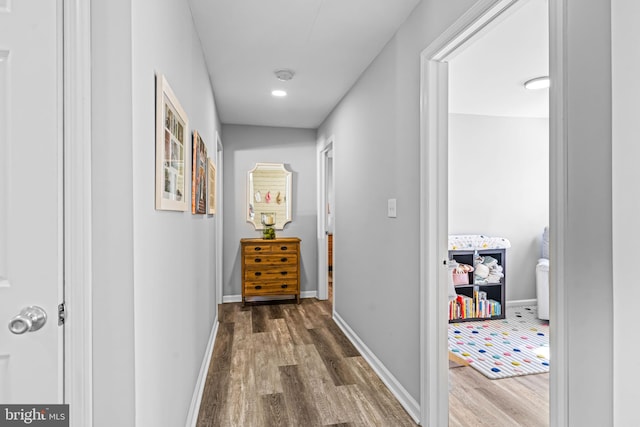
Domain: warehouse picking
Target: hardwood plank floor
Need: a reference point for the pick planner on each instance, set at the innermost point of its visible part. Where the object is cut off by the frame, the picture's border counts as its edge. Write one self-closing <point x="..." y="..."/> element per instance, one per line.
<point x="286" y="364"/>
<point x="476" y="401"/>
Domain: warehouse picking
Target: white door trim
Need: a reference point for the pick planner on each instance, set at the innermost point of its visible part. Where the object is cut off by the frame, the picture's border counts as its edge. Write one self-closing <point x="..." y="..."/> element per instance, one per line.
<point x="558" y="216"/>
<point x="433" y="209"/>
<point x="323" y="275"/>
<point x="219" y="221"/>
<point x="78" y="379"/>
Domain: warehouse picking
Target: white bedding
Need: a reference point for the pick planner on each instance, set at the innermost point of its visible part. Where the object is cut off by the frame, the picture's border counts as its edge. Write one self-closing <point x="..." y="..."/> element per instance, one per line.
<point x="471" y="242"/>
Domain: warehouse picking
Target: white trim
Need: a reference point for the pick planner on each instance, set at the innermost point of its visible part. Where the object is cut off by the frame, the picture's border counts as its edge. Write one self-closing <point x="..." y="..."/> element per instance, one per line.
<point x="219" y="216"/>
<point x="77" y="211"/>
<point x="521" y="302"/>
<point x="231" y="298"/>
<point x="558" y="215"/>
<point x="238" y="298"/>
<point x="196" y="400"/>
<point x="323" y="275"/>
<point x="404" y="398"/>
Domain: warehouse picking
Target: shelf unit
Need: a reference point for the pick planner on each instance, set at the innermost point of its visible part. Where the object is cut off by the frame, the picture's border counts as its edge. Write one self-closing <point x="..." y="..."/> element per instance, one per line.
<point x="495" y="291"/>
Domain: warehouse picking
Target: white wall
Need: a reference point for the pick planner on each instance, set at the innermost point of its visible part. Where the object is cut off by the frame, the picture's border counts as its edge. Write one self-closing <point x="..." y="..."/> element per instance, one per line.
<point x="112" y="216"/>
<point x="377" y="157"/>
<point x="499" y="186"/>
<point x="244" y="146"/>
<point x="626" y="207"/>
<point x="156" y="301"/>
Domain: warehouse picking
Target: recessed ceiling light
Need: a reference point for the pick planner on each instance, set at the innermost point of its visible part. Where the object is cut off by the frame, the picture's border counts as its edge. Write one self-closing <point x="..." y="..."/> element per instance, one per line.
<point x="537" y="83"/>
<point x="278" y="93"/>
<point x="284" y="75"/>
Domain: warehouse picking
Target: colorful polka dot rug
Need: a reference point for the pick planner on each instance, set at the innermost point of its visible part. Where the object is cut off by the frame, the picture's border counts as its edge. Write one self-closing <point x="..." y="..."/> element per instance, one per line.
<point x="517" y="345"/>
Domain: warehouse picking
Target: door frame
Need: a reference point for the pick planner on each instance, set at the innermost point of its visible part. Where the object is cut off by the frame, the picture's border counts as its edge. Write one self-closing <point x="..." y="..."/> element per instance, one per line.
<point x="218" y="214"/>
<point x="76" y="60"/>
<point x="434" y="210"/>
<point x="323" y="243"/>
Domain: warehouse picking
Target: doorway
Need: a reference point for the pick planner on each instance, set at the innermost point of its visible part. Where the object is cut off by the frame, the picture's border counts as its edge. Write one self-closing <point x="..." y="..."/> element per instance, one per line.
<point x="434" y="225"/>
<point x="326" y="221"/>
<point x="498" y="186"/>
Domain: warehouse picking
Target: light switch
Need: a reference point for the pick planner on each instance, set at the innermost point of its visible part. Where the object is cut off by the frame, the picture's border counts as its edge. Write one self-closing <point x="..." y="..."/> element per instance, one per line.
<point x="391" y="208"/>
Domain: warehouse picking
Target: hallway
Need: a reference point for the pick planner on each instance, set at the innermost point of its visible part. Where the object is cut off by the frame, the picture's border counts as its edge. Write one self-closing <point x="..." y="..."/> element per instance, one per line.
<point x="290" y="365"/>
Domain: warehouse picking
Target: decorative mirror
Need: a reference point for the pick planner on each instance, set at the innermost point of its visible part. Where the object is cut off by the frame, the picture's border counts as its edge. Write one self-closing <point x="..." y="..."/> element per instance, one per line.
<point x="269" y="193"/>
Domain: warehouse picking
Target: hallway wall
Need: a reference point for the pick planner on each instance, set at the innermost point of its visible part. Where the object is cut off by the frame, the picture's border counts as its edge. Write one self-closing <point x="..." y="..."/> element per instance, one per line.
<point x="154" y="271"/>
<point x="244" y="146"/>
<point x="376" y="130"/>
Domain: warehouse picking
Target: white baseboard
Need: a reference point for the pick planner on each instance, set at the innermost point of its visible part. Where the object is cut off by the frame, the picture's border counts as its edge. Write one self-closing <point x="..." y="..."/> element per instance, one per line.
<point x="521" y="302"/>
<point x="194" y="408"/>
<point x="238" y="298"/>
<point x="231" y="298"/>
<point x="406" y="400"/>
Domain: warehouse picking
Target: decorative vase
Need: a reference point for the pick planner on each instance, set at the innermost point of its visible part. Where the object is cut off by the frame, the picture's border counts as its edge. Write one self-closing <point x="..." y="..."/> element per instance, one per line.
<point x="268" y="220"/>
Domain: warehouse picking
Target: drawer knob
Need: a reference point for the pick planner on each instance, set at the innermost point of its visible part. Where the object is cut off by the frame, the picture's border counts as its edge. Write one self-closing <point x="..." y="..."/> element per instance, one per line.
<point x="257" y="248"/>
<point x="283" y="248"/>
<point x="284" y="286"/>
<point x="283" y="259"/>
<point x="258" y="273"/>
<point x="258" y="259"/>
<point x="284" y="273"/>
<point x="258" y="287"/>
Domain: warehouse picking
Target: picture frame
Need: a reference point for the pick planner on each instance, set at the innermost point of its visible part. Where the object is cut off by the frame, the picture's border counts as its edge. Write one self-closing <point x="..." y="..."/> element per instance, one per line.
<point x="211" y="186"/>
<point x="172" y="126"/>
<point x="199" y="178"/>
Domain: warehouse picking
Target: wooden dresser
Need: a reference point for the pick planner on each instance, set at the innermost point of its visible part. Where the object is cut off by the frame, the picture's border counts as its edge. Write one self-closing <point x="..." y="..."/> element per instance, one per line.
<point x="270" y="267"/>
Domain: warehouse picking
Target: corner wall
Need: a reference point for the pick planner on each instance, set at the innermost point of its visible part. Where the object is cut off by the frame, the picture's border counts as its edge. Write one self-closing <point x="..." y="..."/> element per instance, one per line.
<point x="244" y="146"/>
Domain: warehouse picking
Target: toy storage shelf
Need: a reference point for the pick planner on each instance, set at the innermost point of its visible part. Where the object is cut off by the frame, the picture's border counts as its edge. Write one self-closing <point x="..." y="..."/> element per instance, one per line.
<point x="495" y="291"/>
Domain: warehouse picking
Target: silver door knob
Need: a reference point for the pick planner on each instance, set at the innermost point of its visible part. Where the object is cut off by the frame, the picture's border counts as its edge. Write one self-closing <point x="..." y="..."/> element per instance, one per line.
<point x="30" y="319"/>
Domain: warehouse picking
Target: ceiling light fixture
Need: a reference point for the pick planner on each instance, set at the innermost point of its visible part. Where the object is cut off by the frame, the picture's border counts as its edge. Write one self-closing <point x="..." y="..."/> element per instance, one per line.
<point x="278" y="93"/>
<point x="537" y="83"/>
<point x="284" y="75"/>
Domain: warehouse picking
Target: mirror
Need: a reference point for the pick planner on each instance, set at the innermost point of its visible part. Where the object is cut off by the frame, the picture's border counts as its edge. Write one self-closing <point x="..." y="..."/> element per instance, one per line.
<point x="269" y="192"/>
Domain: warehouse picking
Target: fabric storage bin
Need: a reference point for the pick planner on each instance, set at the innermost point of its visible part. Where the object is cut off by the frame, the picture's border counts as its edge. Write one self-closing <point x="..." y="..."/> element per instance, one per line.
<point x="460" y="278"/>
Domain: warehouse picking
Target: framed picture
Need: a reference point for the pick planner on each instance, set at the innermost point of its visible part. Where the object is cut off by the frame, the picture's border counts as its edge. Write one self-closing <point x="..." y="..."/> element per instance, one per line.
<point x="199" y="177"/>
<point x="211" y="197"/>
<point x="171" y="134"/>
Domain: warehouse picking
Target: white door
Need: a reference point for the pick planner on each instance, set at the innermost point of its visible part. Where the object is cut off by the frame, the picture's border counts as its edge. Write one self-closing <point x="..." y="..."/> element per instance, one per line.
<point x="30" y="199"/>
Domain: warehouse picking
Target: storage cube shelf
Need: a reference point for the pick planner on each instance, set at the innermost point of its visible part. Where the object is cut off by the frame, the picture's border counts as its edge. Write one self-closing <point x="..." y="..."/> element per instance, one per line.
<point x="468" y="306"/>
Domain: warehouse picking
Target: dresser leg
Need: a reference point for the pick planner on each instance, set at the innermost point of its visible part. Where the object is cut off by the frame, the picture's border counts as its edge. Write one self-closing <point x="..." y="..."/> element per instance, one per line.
<point x="298" y="298"/>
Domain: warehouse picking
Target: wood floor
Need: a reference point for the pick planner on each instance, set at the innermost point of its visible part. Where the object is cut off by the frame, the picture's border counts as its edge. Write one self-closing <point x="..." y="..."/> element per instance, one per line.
<point x="476" y="401"/>
<point x="290" y="365"/>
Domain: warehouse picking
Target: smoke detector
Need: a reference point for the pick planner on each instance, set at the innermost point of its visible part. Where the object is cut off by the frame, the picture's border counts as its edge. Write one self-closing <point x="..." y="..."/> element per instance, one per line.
<point x="284" y="75"/>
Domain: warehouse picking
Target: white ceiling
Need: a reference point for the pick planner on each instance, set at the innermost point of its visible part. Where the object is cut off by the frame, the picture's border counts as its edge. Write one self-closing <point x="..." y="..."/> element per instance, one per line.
<point x="487" y="76"/>
<point x="328" y="43"/>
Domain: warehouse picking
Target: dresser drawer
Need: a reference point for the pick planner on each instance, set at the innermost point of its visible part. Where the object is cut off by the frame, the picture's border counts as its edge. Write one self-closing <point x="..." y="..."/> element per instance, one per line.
<point x="270" y="273"/>
<point x="253" y="261"/>
<point x="253" y="288"/>
<point x="257" y="248"/>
